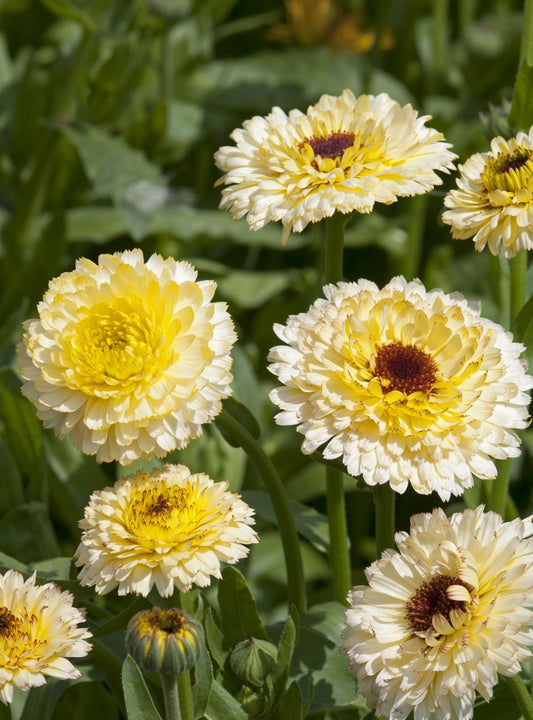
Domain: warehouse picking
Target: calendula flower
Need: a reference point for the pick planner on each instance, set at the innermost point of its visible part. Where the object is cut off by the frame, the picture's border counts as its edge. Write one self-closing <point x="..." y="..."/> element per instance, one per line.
<point x="406" y="385"/>
<point x="128" y="358"/>
<point x="167" y="528"/>
<point x="343" y="155"/>
<point x="494" y="202"/>
<point x="38" y="632"/>
<point x="164" y="641"/>
<point x="443" y="616"/>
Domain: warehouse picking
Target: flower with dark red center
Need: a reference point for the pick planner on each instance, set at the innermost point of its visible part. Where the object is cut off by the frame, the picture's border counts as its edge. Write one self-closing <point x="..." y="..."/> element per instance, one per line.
<point x="493" y="202"/>
<point x="407" y="386"/>
<point x="343" y="155"/>
<point x="443" y="616"/>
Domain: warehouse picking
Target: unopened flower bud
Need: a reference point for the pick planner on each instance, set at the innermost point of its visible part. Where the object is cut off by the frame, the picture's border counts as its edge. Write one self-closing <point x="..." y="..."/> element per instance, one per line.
<point x="164" y="641"/>
<point x="253" y="660"/>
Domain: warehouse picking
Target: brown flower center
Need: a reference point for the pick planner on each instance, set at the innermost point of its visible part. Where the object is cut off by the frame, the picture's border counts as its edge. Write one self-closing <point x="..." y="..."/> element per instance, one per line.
<point x="431" y="599"/>
<point x="332" y="146"/>
<point x="405" y="368"/>
<point x="168" y="621"/>
<point x="8" y="623"/>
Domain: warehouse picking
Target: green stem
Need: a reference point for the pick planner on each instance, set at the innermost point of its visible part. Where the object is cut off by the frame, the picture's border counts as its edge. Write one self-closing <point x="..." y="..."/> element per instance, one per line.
<point x="384" y="500"/>
<point x="518" y="279"/>
<point x="499" y="274"/>
<point x="522" y="696"/>
<point x="334" y="247"/>
<point x="339" y="550"/>
<point x="526" y="47"/>
<point x="185" y="695"/>
<point x="278" y="496"/>
<point x="500" y="488"/>
<point x="338" y="535"/>
<point x="408" y="264"/>
<point x="171" y="696"/>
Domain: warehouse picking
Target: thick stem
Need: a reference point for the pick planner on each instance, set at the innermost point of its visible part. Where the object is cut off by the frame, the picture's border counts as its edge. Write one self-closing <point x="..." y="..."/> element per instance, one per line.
<point x="500" y="488"/>
<point x="518" y="279"/>
<point x="185" y="696"/>
<point x="334" y="247"/>
<point x="408" y="264"/>
<point x="522" y="696"/>
<point x="384" y="500"/>
<point x="171" y="696"/>
<point x="338" y="535"/>
<point x="278" y="496"/>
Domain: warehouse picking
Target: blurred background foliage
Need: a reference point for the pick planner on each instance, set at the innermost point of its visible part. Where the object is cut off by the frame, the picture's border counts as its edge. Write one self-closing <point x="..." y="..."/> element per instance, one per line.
<point x="110" y="112"/>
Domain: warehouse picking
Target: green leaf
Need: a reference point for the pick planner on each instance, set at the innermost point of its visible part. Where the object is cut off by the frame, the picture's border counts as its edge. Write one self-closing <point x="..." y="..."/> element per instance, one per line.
<point x="139" y="702"/>
<point x="240" y="620"/>
<point x="119" y="622"/>
<point x="55" y="569"/>
<point x="66" y="9"/>
<point x="203" y="671"/>
<point x="309" y="522"/>
<point x="285" y="652"/>
<point x="522" y="327"/>
<point x="22" y="431"/>
<point x="223" y="706"/>
<point x="291" y="706"/>
<point x="218" y="647"/>
<point x="27" y="532"/>
<point x="243" y="416"/>
<point x="247" y="289"/>
<point x="521" y="114"/>
<point x="12" y="490"/>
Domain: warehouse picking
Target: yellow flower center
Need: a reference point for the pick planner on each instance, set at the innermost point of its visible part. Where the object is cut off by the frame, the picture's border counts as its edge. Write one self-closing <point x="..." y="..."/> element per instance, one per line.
<point x="117" y="344"/>
<point x="405" y="368"/>
<point x="433" y="610"/>
<point x="172" y="514"/>
<point x="509" y="172"/>
<point x="23" y="639"/>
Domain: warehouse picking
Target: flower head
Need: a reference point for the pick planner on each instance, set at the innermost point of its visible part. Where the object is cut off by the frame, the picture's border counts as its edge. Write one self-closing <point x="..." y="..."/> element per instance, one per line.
<point x="443" y="616"/>
<point x="164" y="641"/>
<point x="167" y="528"/>
<point x="38" y="632"/>
<point x="343" y="155"/>
<point x="406" y="385"/>
<point x="128" y="358"/>
<point x="494" y="202"/>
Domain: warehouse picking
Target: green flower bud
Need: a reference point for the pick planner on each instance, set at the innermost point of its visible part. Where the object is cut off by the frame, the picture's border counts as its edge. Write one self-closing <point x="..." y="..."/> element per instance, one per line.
<point x="252" y="660"/>
<point x="164" y="641"/>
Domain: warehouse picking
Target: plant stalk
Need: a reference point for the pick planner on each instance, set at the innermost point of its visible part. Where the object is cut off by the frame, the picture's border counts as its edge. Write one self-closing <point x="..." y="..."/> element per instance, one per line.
<point x="384" y="500"/>
<point x="522" y="696"/>
<point x="171" y="696"/>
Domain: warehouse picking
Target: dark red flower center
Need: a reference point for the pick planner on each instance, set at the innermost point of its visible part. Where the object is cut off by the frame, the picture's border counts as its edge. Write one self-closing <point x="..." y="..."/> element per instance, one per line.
<point x="431" y="599"/>
<point x="332" y="146"/>
<point x="407" y="368"/>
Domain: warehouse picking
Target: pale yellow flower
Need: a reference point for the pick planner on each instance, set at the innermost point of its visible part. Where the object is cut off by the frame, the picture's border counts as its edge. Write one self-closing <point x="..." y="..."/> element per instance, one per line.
<point x="167" y="528"/>
<point x="38" y="632"/>
<point x="494" y="202"/>
<point x="407" y="386"/>
<point x="128" y="358"/>
<point x="443" y="616"/>
<point x="343" y="155"/>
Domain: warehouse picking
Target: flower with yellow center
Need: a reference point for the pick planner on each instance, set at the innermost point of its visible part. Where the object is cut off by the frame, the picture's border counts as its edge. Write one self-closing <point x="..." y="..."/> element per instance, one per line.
<point x="406" y="385"/>
<point x="38" y="632"/>
<point x="443" y="616"/>
<point x="343" y="155"/>
<point x="167" y="528"/>
<point x="494" y="202"/>
<point x="128" y="358"/>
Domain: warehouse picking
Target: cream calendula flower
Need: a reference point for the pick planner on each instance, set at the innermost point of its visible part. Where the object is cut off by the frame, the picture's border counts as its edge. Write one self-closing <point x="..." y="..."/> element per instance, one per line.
<point x="167" y="528"/>
<point x="406" y="385"/>
<point x="38" y="632"/>
<point x="128" y="358"/>
<point x="345" y="154"/>
<point x="443" y="616"/>
<point x="493" y="204"/>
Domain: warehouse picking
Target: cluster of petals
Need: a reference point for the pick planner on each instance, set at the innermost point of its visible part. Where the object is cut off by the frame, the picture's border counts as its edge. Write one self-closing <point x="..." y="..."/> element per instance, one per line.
<point x="128" y="358"/>
<point x="493" y="202"/>
<point x="345" y="154"/>
<point x="443" y="616"/>
<point x="407" y="386"/>
<point x="166" y="528"/>
<point x="38" y="632"/>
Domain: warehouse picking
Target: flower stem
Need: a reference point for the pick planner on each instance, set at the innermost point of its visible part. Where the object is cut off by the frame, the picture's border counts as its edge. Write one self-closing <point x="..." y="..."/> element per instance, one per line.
<point x="339" y="551"/>
<point x="384" y="500"/>
<point x="522" y="696"/>
<point x="338" y="535"/>
<point x="518" y="277"/>
<point x="171" y="696"/>
<point x="500" y="487"/>
<point x="278" y="496"/>
<point x="185" y="696"/>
